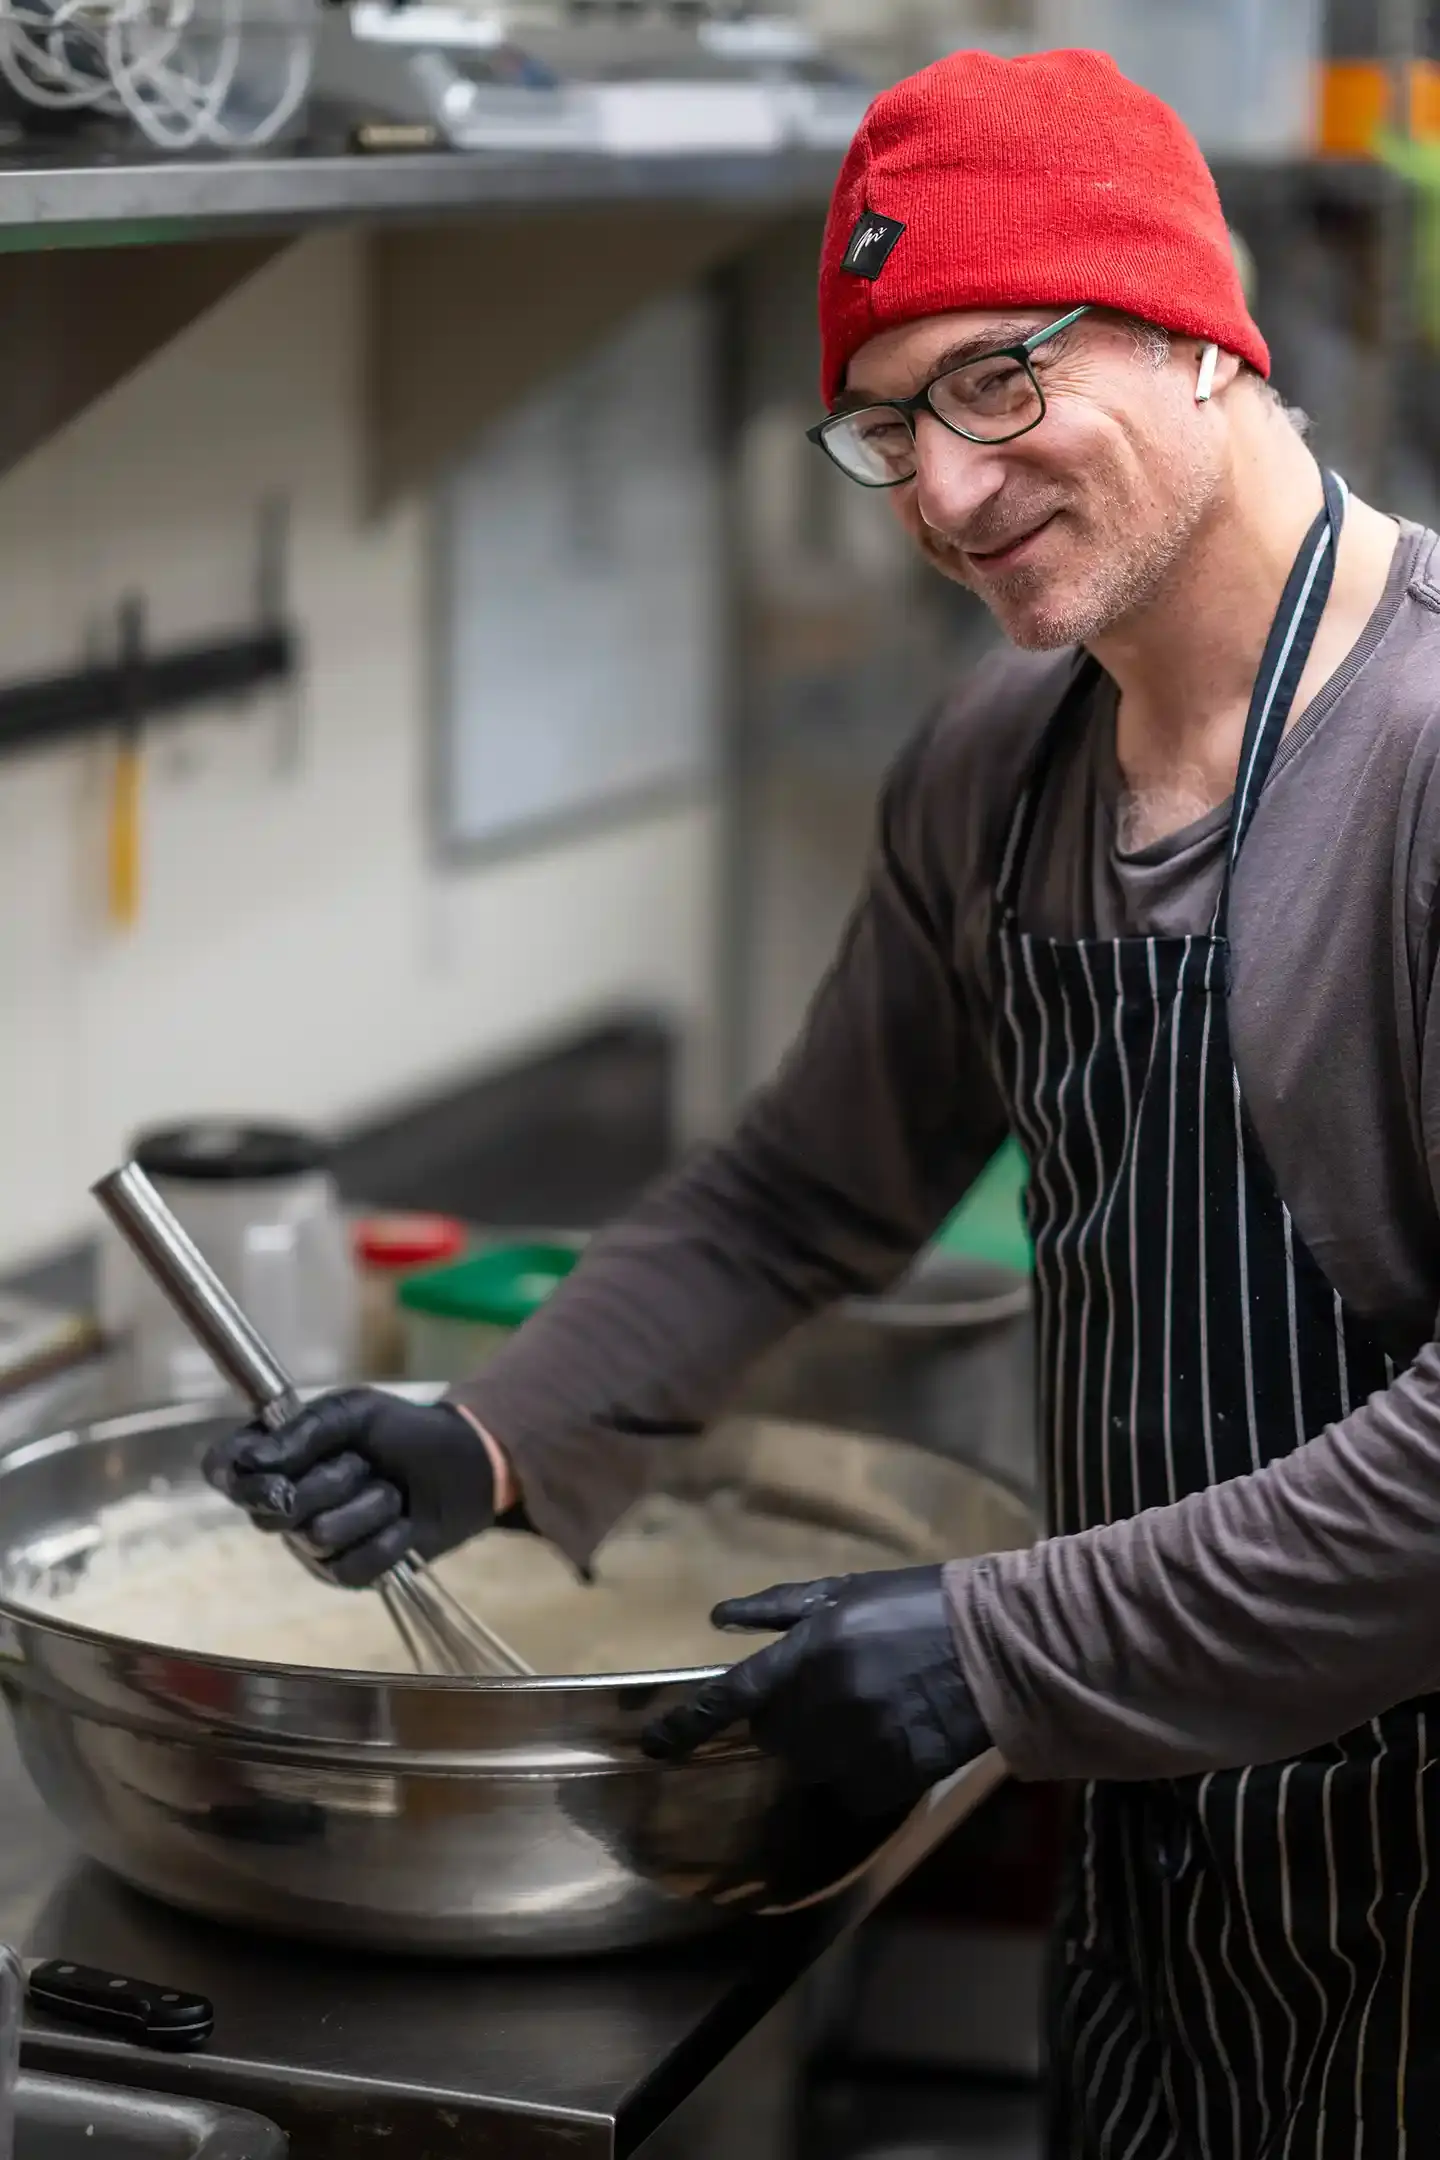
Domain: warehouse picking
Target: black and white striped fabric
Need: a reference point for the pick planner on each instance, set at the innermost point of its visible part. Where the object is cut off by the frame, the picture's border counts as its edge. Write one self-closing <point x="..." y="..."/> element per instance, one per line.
<point x="1248" y="1964"/>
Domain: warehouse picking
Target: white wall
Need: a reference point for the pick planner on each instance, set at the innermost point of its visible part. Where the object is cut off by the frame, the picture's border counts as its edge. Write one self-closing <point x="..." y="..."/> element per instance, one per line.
<point x="298" y="952"/>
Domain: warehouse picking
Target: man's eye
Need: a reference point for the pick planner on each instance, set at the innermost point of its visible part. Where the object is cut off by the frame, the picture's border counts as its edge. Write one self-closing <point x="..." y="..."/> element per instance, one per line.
<point x="996" y="381"/>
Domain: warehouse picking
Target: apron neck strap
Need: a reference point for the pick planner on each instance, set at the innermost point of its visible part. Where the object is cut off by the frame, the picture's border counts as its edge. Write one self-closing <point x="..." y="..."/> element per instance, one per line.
<point x="1081" y="681"/>
<point x="1286" y="656"/>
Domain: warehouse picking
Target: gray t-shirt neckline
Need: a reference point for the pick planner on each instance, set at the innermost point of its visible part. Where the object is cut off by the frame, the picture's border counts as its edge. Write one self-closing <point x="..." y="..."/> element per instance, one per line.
<point x="1194" y="836"/>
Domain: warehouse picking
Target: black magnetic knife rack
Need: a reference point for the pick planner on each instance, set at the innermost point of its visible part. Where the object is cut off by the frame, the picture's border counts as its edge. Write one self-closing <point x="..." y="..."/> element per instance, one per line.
<point x="140" y="683"/>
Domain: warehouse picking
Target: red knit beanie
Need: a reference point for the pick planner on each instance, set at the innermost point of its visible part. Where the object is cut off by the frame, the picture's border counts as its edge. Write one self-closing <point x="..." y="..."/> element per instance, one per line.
<point x="1039" y="182"/>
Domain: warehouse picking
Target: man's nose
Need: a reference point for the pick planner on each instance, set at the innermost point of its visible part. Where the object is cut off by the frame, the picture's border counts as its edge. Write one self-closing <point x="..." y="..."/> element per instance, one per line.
<point x="954" y="478"/>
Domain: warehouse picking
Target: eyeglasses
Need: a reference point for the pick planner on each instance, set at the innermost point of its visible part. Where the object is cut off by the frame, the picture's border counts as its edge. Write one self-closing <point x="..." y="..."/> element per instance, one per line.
<point x="990" y="399"/>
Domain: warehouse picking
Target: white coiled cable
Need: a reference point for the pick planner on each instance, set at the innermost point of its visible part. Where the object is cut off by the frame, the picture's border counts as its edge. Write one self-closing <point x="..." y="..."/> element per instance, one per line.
<point x="171" y="69"/>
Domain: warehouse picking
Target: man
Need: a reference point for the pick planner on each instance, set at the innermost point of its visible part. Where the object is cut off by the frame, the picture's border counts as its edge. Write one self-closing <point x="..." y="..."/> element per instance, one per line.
<point x="1157" y="893"/>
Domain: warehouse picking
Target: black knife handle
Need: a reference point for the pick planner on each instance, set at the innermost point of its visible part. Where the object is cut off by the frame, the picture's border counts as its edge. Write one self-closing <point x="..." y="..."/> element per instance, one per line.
<point x="143" y="2011"/>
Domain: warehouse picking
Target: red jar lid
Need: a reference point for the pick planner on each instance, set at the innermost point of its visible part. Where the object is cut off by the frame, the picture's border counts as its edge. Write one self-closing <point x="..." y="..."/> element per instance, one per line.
<point x="408" y="1241"/>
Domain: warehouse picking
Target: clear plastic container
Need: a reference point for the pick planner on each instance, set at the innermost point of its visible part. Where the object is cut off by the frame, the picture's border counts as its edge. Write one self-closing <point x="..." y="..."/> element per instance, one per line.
<point x="389" y="1249"/>
<point x="1242" y="74"/>
<point x="12" y="2001"/>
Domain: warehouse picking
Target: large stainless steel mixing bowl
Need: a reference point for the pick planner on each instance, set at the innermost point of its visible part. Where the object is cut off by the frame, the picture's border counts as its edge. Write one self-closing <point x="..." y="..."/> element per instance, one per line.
<point x="497" y="1816"/>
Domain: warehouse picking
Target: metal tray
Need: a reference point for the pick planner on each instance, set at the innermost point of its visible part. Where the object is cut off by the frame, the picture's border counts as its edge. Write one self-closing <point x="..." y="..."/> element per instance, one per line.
<point x="61" y="2118"/>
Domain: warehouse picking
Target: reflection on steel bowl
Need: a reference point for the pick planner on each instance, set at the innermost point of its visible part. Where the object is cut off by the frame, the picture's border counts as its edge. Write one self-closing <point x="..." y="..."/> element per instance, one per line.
<point x="492" y="1816"/>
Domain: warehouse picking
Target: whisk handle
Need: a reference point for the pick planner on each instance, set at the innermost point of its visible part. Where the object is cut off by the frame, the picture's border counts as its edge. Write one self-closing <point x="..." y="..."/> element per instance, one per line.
<point x="440" y="1634"/>
<point x="170" y="1256"/>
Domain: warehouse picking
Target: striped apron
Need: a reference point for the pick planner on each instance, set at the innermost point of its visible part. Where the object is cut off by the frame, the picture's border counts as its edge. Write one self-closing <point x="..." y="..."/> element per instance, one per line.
<point x="1247" y="1965"/>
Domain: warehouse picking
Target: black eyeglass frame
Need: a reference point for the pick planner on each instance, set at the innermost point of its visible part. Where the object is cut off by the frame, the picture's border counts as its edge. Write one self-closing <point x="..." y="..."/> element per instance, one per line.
<point x="922" y="401"/>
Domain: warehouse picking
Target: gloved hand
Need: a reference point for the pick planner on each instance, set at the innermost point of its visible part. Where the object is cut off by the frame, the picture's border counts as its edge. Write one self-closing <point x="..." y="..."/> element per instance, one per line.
<point x="362" y="1478"/>
<point x="864" y="1694"/>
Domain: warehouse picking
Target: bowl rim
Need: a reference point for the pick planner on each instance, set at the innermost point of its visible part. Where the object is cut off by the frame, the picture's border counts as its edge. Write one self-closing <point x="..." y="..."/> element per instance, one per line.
<point x="357" y="1686"/>
<point x="102" y="1432"/>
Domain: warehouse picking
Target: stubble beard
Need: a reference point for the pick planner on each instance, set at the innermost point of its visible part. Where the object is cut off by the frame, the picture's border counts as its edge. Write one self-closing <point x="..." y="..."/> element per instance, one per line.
<point x="1125" y="581"/>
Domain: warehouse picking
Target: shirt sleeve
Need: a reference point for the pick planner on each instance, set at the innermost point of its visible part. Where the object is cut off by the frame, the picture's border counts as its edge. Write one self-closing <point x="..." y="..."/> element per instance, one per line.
<point x="883" y="1114"/>
<point x="1244" y="1624"/>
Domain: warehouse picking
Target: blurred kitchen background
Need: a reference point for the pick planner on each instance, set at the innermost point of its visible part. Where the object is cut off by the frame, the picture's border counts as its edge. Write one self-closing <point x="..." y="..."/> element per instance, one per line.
<point x="442" y="700"/>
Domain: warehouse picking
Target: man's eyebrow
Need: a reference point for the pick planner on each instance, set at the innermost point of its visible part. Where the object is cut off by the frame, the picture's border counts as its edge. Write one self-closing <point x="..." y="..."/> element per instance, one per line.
<point x="998" y="338"/>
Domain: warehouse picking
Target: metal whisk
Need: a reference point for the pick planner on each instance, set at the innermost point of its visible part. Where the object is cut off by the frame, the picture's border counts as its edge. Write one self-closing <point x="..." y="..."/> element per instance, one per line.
<point x="439" y="1633"/>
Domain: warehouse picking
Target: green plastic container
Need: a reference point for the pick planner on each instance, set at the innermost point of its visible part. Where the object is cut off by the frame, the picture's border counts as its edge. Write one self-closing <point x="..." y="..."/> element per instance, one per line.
<point x="990" y="1223"/>
<point x="457" y="1316"/>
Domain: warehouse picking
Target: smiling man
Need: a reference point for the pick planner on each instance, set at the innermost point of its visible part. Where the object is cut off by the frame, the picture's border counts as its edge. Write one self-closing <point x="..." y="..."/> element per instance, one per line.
<point x="1157" y="893"/>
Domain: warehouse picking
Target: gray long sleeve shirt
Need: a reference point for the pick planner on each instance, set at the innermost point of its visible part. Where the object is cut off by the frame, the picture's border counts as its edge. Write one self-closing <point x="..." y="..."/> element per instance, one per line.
<point x="1250" y="1621"/>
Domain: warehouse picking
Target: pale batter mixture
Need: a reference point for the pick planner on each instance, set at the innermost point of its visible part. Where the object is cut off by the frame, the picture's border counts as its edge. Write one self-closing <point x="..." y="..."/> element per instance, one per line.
<point x="187" y="1573"/>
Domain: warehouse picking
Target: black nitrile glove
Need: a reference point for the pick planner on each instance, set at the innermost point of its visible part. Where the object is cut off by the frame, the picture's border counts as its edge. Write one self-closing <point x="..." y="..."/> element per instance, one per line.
<point x="362" y="1478"/>
<point x="864" y="1694"/>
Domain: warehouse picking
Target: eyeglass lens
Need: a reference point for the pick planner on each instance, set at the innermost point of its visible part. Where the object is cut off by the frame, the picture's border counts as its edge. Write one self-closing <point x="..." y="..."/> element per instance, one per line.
<point x="988" y="399"/>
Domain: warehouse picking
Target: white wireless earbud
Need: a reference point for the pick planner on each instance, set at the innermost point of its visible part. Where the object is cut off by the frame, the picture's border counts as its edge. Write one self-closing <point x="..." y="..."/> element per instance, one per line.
<point x="1205" y="382"/>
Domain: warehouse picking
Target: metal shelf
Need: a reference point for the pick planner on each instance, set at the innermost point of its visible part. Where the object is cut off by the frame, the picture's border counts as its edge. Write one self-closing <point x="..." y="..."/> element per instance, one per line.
<point x="112" y="200"/>
<point x="103" y="198"/>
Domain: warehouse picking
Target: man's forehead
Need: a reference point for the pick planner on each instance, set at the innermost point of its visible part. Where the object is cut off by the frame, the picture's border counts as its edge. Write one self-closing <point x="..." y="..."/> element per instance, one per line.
<point x="899" y="360"/>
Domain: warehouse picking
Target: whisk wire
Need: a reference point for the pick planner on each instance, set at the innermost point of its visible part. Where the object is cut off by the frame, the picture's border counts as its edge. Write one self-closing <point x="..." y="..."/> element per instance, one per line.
<point x="457" y="1640"/>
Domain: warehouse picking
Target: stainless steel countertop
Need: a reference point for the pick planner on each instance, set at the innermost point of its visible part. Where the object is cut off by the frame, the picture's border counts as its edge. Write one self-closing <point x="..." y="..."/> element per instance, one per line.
<point x="98" y="200"/>
<point x="583" y="2059"/>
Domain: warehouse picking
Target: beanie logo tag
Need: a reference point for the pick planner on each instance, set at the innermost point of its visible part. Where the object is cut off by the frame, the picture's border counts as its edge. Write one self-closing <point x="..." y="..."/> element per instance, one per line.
<point x="871" y="245"/>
